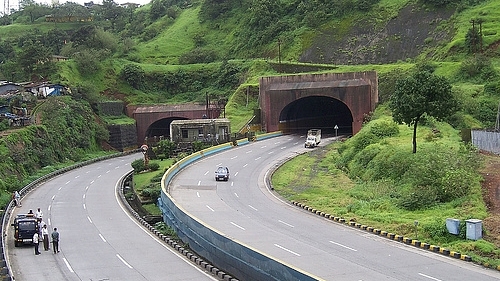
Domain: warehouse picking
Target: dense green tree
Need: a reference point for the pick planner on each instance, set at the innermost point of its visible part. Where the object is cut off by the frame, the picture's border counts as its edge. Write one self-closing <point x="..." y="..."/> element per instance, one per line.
<point x="34" y="60"/>
<point x="133" y="75"/>
<point x="71" y="11"/>
<point x="158" y="9"/>
<point x="113" y="13"/>
<point x="55" y="39"/>
<point x="32" y="9"/>
<point x="419" y="94"/>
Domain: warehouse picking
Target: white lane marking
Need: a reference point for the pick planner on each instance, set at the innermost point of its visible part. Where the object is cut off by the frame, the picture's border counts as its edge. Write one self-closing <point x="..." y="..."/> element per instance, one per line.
<point x="235" y="174"/>
<point x="108" y="171"/>
<point x="117" y="167"/>
<point x="278" y="142"/>
<point x="67" y="182"/>
<point x="290" y="251"/>
<point x="232" y="183"/>
<point x="86" y="188"/>
<point x="295" y="143"/>
<point x="263" y="146"/>
<point x="338" y="244"/>
<point x="234" y="157"/>
<point x="91" y="182"/>
<point x="99" y="176"/>
<point x="50" y="206"/>
<point x="220" y="164"/>
<point x="258" y="158"/>
<point x="206" y="173"/>
<point x="128" y="265"/>
<point x="90" y="220"/>
<point x="252" y="207"/>
<point x="102" y="238"/>
<point x="198" y="194"/>
<point x="199" y="182"/>
<point x="283" y="147"/>
<point x="236" y="194"/>
<point x="53" y="197"/>
<point x="77" y="177"/>
<point x="83" y="196"/>
<point x="84" y="207"/>
<point x="430" y="277"/>
<point x="287" y="224"/>
<point x="210" y="208"/>
<point x="270" y="152"/>
<point x="245" y="165"/>
<point x="249" y="151"/>
<point x="161" y="243"/>
<point x="68" y="266"/>
<point x="238" y="226"/>
<point x="48" y="221"/>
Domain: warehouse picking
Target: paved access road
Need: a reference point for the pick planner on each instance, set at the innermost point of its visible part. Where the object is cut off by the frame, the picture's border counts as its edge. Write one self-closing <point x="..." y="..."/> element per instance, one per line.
<point x="99" y="240"/>
<point x="245" y="210"/>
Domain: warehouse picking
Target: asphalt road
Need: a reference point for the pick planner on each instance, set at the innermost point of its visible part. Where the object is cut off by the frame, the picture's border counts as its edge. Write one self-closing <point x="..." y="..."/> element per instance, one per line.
<point x="99" y="240"/>
<point x="244" y="209"/>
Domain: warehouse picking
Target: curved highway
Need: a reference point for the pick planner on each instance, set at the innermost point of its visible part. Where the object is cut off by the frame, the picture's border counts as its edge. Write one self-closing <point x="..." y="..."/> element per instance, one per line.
<point x="244" y="209"/>
<point x="99" y="240"/>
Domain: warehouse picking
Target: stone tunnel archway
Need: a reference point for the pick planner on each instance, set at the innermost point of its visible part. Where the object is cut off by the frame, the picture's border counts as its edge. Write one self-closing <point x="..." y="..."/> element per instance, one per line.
<point x="295" y="102"/>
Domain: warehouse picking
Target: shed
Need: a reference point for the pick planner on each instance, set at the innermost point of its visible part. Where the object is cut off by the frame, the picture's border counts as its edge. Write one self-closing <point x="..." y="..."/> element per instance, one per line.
<point x="206" y="130"/>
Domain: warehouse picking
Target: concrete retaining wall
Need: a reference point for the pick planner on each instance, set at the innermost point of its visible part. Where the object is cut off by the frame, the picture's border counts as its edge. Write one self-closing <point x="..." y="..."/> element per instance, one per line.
<point x="232" y="256"/>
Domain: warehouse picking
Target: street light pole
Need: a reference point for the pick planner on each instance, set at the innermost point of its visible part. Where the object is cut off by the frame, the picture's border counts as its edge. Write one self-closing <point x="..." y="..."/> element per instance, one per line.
<point x="336" y="129"/>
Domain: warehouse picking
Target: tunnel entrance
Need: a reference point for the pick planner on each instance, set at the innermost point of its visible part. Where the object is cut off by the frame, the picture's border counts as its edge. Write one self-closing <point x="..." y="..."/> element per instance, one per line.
<point x="319" y="112"/>
<point x="161" y="129"/>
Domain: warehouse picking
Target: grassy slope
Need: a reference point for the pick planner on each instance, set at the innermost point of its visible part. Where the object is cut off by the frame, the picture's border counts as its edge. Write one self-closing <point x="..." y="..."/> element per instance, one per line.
<point x="173" y="41"/>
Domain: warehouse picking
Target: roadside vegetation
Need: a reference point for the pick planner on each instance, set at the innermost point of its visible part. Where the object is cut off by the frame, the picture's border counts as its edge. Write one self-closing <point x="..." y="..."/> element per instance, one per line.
<point x="374" y="178"/>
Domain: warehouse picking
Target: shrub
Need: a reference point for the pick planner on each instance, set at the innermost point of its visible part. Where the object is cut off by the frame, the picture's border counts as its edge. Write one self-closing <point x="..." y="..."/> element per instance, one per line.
<point x="153" y="166"/>
<point x="138" y="165"/>
<point x="384" y="129"/>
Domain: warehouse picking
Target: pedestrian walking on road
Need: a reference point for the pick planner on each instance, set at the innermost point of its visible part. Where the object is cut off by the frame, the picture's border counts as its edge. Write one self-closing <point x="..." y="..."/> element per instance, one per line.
<point x="17" y="198"/>
<point x="36" y="240"/>
<point x="45" y="235"/>
<point x="55" y="240"/>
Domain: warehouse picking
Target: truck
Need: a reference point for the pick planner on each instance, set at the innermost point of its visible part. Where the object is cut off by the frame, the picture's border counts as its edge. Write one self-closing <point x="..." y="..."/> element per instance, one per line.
<point x="313" y="138"/>
<point x="24" y="228"/>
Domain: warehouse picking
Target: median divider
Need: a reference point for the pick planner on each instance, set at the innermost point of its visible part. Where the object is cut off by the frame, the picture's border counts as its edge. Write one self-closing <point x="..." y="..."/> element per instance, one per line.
<point x="392" y="236"/>
<point x="241" y="260"/>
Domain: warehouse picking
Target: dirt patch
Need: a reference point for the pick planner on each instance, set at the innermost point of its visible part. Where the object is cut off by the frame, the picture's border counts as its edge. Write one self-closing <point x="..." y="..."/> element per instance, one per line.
<point x="491" y="196"/>
<point x="382" y="40"/>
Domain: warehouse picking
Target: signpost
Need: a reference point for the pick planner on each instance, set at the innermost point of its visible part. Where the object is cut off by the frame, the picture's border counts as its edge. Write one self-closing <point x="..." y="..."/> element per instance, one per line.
<point x="336" y="129"/>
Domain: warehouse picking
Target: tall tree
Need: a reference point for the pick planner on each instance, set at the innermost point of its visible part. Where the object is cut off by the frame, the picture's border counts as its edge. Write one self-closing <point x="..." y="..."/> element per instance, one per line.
<point x="419" y="94"/>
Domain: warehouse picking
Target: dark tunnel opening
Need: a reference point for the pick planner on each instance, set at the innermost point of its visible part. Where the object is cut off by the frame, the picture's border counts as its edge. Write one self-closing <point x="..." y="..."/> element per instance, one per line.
<point x="317" y="112"/>
<point x="161" y="128"/>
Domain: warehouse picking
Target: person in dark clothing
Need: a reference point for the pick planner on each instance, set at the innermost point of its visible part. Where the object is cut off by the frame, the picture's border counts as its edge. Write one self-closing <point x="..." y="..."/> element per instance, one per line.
<point x="55" y="240"/>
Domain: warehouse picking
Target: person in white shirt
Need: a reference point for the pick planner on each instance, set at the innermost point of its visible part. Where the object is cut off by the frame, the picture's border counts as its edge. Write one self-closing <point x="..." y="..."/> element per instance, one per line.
<point x="45" y="237"/>
<point x="39" y="214"/>
<point x="35" y="242"/>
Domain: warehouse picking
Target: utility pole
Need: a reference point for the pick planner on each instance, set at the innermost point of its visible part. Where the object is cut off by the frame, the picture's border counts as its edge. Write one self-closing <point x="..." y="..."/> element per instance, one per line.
<point x="279" y="54"/>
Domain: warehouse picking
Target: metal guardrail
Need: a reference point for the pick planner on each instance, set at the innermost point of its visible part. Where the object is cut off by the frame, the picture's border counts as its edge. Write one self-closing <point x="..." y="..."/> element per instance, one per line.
<point x="5" y="271"/>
